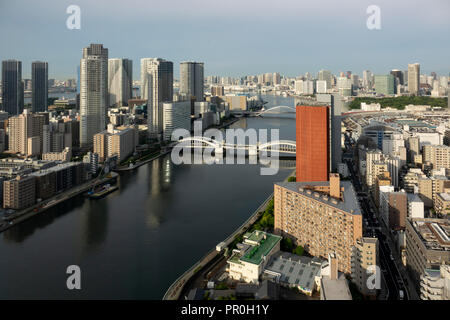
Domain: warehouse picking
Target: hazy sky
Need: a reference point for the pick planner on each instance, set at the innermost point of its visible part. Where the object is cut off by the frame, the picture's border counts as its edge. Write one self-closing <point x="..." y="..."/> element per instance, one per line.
<point x="232" y="37"/>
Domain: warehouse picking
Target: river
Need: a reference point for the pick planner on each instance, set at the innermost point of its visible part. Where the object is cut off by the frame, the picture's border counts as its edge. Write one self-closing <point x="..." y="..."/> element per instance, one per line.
<point x="135" y="242"/>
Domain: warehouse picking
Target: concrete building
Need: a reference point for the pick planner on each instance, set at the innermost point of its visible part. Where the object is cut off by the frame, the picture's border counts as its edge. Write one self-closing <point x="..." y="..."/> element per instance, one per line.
<point x="156" y="88"/>
<point x="248" y="261"/>
<point x="21" y="128"/>
<point x="94" y="93"/>
<point x="19" y="192"/>
<point x="383" y="179"/>
<point x="437" y="155"/>
<point x="39" y="83"/>
<point x="177" y="115"/>
<point x="333" y="285"/>
<point x="415" y="206"/>
<point x="398" y="210"/>
<point x="364" y="261"/>
<point x="430" y="187"/>
<point x="192" y="80"/>
<point x="310" y="212"/>
<point x="427" y="245"/>
<point x="442" y="203"/>
<point x="12" y="87"/>
<point x="217" y="91"/>
<point x="120" y="81"/>
<point x="435" y="284"/>
<point x="63" y="156"/>
<point x="120" y="142"/>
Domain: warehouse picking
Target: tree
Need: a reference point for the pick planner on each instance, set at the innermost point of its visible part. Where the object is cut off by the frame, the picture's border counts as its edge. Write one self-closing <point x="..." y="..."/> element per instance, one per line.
<point x="298" y="251"/>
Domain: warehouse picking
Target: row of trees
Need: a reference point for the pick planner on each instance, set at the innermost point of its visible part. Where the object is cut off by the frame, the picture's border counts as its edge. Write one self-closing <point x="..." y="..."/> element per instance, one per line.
<point x="400" y="102"/>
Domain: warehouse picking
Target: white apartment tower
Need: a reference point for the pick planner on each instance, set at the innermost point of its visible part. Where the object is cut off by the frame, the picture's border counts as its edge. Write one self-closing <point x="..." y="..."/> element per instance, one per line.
<point x="156" y="87"/>
<point x="93" y="92"/>
<point x="120" y="81"/>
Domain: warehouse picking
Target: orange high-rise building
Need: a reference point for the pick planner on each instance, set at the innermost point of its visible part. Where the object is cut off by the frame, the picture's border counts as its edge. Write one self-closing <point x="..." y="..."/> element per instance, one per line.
<point x="313" y="143"/>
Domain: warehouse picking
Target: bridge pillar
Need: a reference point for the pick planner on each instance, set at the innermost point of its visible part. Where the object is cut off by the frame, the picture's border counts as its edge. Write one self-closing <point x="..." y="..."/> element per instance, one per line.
<point x="252" y="150"/>
<point x="218" y="150"/>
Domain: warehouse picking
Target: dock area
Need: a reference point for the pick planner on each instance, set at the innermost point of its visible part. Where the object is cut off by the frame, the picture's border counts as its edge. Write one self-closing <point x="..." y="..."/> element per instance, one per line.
<point x="25" y="214"/>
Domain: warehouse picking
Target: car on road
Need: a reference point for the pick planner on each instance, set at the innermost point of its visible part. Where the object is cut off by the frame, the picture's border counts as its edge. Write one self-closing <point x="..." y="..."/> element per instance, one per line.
<point x="401" y="294"/>
<point x="392" y="258"/>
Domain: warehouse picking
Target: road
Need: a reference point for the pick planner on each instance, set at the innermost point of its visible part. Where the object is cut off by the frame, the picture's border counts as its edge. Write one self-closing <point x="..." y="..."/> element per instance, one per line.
<point x="372" y="228"/>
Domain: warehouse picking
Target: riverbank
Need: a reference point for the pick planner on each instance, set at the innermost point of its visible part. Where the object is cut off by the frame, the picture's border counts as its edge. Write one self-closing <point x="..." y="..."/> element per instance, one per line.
<point x="42" y="206"/>
<point x="175" y="290"/>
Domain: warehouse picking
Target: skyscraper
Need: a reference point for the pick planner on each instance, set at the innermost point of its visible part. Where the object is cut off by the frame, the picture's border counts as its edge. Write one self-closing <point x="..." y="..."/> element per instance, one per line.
<point x="325" y="75"/>
<point x="120" y="81"/>
<point x="413" y="78"/>
<point x="94" y="92"/>
<point x="156" y="87"/>
<point x="39" y="84"/>
<point x="191" y="79"/>
<point x="384" y="84"/>
<point x="12" y="94"/>
<point x="367" y="77"/>
<point x="313" y="143"/>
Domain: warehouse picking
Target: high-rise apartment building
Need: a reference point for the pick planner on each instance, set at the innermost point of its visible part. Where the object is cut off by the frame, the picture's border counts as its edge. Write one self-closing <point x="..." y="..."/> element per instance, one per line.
<point x="39" y="84"/>
<point x="364" y="262"/>
<point x="120" y="142"/>
<point x="437" y="155"/>
<point x="325" y="75"/>
<point x="94" y="92"/>
<point x="19" y="192"/>
<point x="12" y="87"/>
<point x="177" y="115"/>
<point x="313" y="143"/>
<point x="120" y="81"/>
<point x="413" y="78"/>
<point x="322" y="217"/>
<point x="156" y="88"/>
<point x="217" y="91"/>
<point x="24" y="127"/>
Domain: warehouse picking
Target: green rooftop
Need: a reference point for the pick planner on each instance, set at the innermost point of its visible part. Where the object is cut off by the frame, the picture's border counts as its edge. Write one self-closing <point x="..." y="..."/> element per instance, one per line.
<point x="266" y="242"/>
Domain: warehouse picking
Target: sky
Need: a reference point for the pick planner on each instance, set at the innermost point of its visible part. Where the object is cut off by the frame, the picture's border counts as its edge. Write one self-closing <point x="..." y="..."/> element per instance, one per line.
<point x="232" y="37"/>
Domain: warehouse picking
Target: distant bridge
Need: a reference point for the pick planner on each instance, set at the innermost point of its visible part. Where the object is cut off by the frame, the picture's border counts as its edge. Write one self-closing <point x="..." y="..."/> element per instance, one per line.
<point x="272" y="111"/>
<point x="200" y="142"/>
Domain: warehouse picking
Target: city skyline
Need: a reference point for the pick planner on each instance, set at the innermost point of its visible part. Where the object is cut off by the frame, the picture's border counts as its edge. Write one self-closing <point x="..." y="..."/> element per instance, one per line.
<point x="253" y="43"/>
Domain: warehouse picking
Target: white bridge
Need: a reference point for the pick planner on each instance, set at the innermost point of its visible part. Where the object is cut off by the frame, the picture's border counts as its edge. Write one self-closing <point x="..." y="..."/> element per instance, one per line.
<point x="280" y="146"/>
<point x="275" y="110"/>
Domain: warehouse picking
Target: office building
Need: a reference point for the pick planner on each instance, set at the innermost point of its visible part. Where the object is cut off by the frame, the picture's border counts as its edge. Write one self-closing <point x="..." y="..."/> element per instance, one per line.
<point x="413" y="78"/>
<point x="120" y="81"/>
<point x="94" y="93"/>
<point x="321" y="216"/>
<point x="177" y="115"/>
<point x="325" y="75"/>
<point x="156" y="88"/>
<point x="12" y="87"/>
<point x="313" y="143"/>
<point x="39" y="83"/>
<point x="192" y="80"/>
<point x="384" y="84"/>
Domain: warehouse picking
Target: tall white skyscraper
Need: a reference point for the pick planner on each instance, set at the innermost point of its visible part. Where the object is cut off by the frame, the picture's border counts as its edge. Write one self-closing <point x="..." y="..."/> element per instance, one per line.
<point x="413" y="78"/>
<point x="156" y="87"/>
<point x="120" y="81"/>
<point x="93" y="92"/>
<point x="191" y="79"/>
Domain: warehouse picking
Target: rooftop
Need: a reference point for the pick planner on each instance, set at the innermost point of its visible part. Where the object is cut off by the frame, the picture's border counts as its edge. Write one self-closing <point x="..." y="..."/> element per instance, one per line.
<point x="349" y="202"/>
<point x="265" y="243"/>
<point x="335" y="289"/>
<point x="434" y="233"/>
<point x="295" y="270"/>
